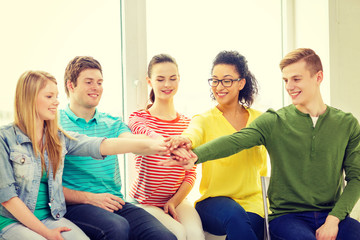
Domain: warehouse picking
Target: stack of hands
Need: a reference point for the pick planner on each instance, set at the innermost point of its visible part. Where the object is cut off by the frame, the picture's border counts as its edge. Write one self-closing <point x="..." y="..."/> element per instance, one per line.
<point x="180" y="152"/>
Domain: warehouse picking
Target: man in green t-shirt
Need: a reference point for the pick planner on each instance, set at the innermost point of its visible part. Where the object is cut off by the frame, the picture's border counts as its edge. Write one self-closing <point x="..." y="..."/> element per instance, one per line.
<point x="310" y="145"/>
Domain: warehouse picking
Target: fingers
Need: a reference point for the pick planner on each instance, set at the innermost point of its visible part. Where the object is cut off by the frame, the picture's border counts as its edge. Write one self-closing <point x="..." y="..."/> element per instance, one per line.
<point x="182" y="152"/>
<point x="173" y="213"/>
<point x="64" y="229"/>
<point x="166" y="208"/>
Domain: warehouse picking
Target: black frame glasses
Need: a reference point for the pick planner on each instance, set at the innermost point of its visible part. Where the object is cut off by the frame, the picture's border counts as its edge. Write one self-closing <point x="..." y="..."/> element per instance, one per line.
<point x="225" y="82"/>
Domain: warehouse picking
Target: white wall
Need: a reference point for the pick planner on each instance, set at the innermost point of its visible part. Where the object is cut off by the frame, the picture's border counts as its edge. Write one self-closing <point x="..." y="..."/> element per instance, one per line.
<point x="46" y="35"/>
<point x="344" y="18"/>
<point x="308" y="27"/>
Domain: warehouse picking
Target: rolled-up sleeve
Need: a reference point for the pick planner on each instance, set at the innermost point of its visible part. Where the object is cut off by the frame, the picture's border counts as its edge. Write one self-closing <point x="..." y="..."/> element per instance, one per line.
<point x="82" y="145"/>
<point x="7" y="180"/>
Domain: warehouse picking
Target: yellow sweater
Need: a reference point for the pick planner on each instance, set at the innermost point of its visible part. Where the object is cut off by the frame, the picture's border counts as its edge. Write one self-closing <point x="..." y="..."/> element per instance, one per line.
<point x="237" y="176"/>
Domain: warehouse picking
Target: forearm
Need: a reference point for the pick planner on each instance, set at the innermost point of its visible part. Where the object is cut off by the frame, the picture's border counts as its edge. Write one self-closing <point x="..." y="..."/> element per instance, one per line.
<point x="76" y="197"/>
<point x="181" y="193"/>
<point x="23" y="214"/>
<point x="113" y="146"/>
<point x="347" y="200"/>
<point x="228" y="145"/>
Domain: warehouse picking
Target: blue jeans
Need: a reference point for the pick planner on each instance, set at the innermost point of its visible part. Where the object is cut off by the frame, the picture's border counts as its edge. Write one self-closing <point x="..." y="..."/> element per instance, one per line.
<point x="224" y="216"/>
<point x="303" y="225"/>
<point x="130" y="222"/>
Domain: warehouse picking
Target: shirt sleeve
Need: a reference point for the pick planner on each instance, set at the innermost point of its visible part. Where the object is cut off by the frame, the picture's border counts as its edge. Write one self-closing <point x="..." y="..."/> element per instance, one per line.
<point x="253" y="135"/>
<point x="190" y="176"/>
<point x="195" y="131"/>
<point x="351" y="193"/>
<point x="82" y="145"/>
<point x="7" y="180"/>
<point x="137" y="125"/>
<point x="122" y="127"/>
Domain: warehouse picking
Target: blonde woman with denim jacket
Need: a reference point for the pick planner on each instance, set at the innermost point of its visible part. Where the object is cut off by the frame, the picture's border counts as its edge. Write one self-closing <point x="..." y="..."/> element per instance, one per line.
<point x="32" y="151"/>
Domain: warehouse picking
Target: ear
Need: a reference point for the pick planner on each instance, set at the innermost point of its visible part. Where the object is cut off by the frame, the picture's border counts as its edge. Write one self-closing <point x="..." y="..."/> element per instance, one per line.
<point x="70" y="86"/>
<point x="242" y="84"/>
<point x="148" y="80"/>
<point x="319" y="77"/>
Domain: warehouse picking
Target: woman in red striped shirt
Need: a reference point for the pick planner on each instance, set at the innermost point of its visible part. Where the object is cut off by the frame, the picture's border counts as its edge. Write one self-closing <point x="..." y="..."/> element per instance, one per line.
<point x="161" y="190"/>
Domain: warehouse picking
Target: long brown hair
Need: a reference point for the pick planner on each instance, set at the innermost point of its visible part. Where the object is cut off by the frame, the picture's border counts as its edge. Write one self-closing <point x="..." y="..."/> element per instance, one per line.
<point x="27" y="90"/>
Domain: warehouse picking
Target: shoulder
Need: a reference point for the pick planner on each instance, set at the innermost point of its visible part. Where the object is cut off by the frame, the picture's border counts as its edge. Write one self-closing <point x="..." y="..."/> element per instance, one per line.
<point x="6" y="130"/>
<point x="213" y="112"/>
<point x="339" y="115"/>
<point x="184" y="118"/>
<point x="254" y="112"/>
<point x="140" y="113"/>
<point x="102" y="116"/>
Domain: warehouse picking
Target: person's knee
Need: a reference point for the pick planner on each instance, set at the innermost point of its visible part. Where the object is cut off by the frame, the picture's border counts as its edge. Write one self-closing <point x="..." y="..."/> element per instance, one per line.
<point x="115" y="227"/>
<point x="238" y="216"/>
<point x="195" y="233"/>
<point x="167" y="235"/>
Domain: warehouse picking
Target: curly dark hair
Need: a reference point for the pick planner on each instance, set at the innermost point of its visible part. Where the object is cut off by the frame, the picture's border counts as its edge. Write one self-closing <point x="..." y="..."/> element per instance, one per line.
<point x="250" y="90"/>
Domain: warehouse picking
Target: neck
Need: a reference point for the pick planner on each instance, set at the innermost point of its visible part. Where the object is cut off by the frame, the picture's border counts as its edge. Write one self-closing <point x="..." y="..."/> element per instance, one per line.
<point x="232" y="108"/>
<point x="163" y="109"/>
<point x="39" y="131"/>
<point x="314" y="108"/>
<point x="81" y="111"/>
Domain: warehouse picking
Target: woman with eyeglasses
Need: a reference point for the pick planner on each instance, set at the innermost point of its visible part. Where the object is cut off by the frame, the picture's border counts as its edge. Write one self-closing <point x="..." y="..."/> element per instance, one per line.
<point x="162" y="190"/>
<point x="231" y="201"/>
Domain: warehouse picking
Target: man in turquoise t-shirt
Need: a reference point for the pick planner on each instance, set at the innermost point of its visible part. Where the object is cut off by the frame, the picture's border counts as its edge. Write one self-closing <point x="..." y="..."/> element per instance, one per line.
<point x="310" y="145"/>
<point x="92" y="188"/>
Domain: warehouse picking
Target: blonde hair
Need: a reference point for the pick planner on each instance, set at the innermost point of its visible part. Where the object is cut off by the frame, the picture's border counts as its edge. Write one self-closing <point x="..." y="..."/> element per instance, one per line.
<point x="27" y="90"/>
<point x="313" y="62"/>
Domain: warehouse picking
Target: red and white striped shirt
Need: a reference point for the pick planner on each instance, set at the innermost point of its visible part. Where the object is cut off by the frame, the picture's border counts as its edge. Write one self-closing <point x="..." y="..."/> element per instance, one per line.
<point x="155" y="184"/>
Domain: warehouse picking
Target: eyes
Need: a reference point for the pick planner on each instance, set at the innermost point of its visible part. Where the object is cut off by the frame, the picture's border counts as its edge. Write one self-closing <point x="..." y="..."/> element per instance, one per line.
<point x="295" y="80"/>
<point x="161" y="79"/>
<point x="99" y="83"/>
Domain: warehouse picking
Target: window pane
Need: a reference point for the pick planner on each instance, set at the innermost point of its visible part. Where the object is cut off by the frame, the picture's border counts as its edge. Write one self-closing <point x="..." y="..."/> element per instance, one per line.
<point x="46" y="35"/>
<point x="193" y="32"/>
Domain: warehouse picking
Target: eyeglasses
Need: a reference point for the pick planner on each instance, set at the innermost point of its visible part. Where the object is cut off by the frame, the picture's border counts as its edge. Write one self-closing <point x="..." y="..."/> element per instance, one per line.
<point x="224" y="82"/>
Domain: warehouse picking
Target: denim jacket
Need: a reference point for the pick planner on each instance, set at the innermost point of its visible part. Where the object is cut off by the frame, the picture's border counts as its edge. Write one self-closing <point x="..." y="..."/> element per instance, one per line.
<point x="20" y="170"/>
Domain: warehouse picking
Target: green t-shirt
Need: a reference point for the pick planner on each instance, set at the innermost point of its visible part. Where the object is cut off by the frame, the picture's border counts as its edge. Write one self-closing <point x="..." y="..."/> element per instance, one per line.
<point x="42" y="209"/>
<point x="307" y="162"/>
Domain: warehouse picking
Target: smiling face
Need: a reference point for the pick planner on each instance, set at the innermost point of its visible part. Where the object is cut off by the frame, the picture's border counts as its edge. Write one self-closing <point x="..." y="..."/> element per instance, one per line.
<point x="47" y="102"/>
<point x="302" y="87"/>
<point x="164" y="80"/>
<point x="87" y="93"/>
<point x="227" y="95"/>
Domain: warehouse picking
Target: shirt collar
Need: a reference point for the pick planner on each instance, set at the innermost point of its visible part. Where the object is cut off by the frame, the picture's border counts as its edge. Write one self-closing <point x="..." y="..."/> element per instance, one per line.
<point x="75" y="118"/>
<point x="20" y="136"/>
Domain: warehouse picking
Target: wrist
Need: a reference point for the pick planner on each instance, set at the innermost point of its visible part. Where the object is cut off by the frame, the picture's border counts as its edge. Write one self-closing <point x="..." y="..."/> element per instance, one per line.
<point x="332" y="220"/>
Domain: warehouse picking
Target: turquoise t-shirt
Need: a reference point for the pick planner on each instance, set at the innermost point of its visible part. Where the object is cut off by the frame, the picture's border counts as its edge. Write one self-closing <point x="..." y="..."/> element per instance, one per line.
<point x="42" y="209"/>
<point x="85" y="173"/>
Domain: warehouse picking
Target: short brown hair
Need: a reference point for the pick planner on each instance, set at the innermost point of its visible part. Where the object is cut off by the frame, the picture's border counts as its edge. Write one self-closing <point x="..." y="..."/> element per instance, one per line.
<point x="76" y="66"/>
<point x="312" y="60"/>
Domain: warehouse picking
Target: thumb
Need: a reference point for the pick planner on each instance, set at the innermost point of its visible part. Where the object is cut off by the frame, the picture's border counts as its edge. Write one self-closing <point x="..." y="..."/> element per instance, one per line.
<point x="64" y="229"/>
<point x="166" y="208"/>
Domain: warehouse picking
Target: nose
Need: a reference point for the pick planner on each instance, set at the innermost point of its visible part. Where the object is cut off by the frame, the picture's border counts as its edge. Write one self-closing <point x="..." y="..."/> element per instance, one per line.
<point x="289" y="85"/>
<point x="220" y="86"/>
<point x="56" y="102"/>
<point x="95" y="86"/>
<point x="167" y="83"/>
